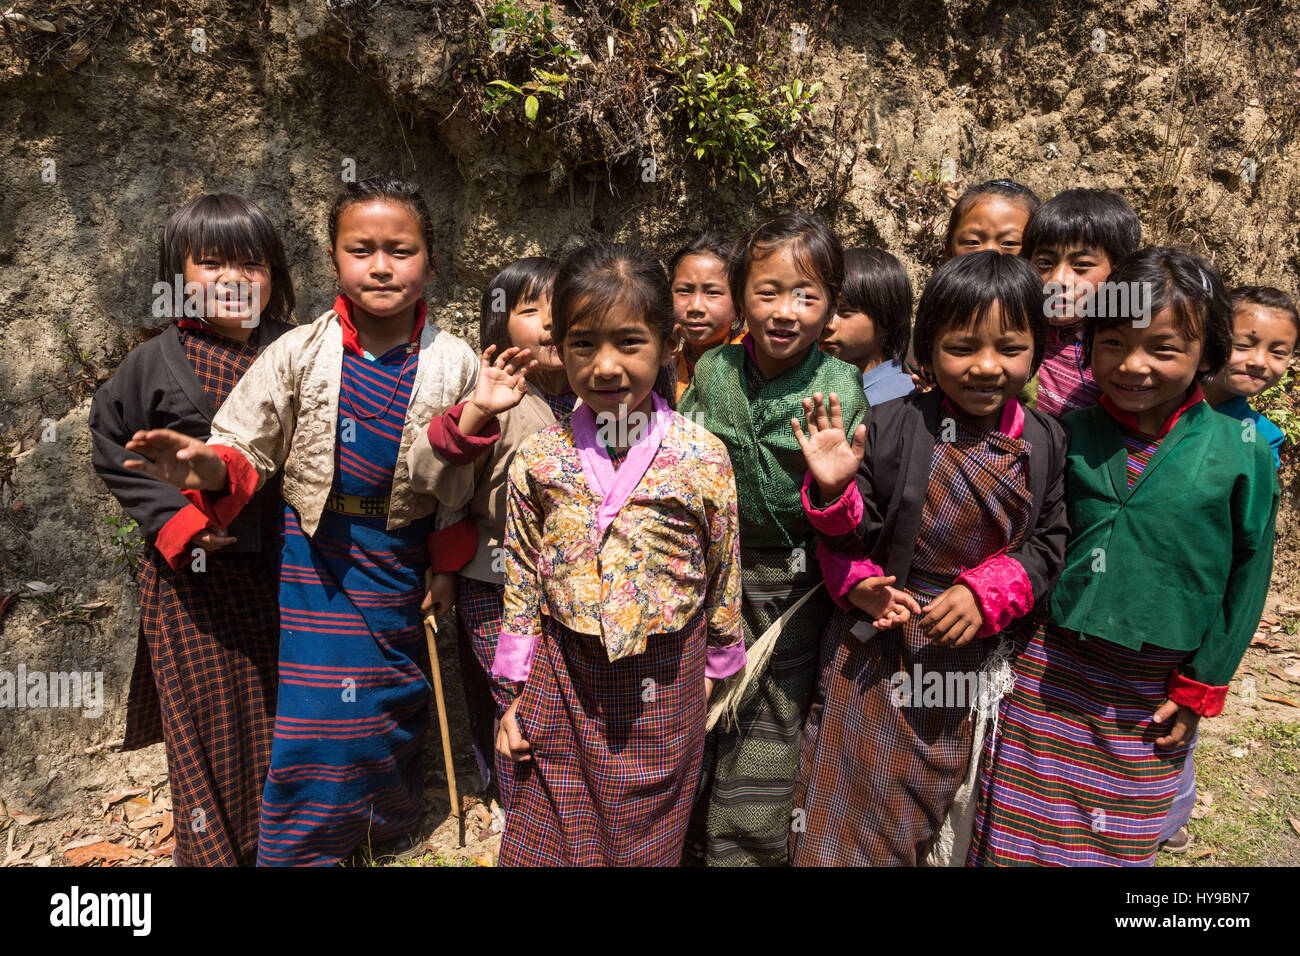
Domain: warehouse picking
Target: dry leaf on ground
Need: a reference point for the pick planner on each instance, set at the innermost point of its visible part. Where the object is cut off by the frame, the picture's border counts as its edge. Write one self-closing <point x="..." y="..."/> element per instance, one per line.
<point x="1279" y="699"/>
<point x="109" y="852"/>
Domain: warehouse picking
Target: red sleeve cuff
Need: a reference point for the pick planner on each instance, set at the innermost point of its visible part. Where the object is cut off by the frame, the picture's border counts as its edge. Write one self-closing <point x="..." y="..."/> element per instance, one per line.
<point x="453" y="547"/>
<point x="842" y="516"/>
<point x="221" y="507"/>
<point x="456" y="448"/>
<point x="173" y="539"/>
<point x="1002" y="591"/>
<point x="1206" y="700"/>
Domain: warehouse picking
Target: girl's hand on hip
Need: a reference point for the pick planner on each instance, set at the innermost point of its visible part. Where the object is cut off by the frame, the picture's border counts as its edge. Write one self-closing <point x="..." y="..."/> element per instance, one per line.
<point x="953" y="618"/>
<point x="510" y="742"/>
<point x="1181" y="730"/>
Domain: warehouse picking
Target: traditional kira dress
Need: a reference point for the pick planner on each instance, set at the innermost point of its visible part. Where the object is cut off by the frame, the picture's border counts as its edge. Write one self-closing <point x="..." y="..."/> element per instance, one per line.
<point x="751" y="767"/>
<point x="883" y="755"/>
<point x="1148" y="608"/>
<point x="354" y="686"/>
<point x="205" y="671"/>
<point x="622" y="596"/>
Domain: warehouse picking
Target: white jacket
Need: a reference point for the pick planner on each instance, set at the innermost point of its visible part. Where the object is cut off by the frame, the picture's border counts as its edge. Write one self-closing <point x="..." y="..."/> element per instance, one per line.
<point x="284" y="413"/>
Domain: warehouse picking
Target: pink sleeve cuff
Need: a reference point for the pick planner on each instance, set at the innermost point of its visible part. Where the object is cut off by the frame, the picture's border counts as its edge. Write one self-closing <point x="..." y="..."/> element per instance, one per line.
<point x="514" y="659"/>
<point x="456" y="448"/>
<point x="242" y="480"/>
<point x="841" y="571"/>
<point x="1002" y="591"/>
<point x="174" y="537"/>
<point x="841" y="516"/>
<point x="722" y="662"/>
<point x="1205" y="699"/>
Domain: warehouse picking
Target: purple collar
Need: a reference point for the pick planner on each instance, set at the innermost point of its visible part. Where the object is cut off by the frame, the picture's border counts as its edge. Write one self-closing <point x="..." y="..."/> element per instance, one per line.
<point x="615" y="486"/>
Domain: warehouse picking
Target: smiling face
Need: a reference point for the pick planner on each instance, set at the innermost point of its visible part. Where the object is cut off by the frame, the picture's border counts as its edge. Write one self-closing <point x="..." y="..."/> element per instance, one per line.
<point x="784" y="310"/>
<point x="995" y="223"/>
<point x="1073" y="274"/>
<point x="702" y="303"/>
<point x="982" y="367"/>
<point x="380" y="258"/>
<point x="1263" y="341"/>
<point x="1147" y="371"/>
<point x="850" y="336"/>
<point x="228" y="293"/>
<point x="612" y="360"/>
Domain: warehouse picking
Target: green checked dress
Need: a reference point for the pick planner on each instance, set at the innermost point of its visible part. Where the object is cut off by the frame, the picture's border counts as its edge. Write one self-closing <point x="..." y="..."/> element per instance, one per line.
<point x="750" y="769"/>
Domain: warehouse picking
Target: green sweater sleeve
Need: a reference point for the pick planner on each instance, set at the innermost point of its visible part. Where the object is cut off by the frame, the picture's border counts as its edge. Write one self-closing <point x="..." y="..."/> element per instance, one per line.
<point x="1255" y="505"/>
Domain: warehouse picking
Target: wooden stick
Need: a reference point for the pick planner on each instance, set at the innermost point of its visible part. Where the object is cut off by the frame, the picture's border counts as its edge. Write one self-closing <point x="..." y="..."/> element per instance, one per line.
<point x="430" y="636"/>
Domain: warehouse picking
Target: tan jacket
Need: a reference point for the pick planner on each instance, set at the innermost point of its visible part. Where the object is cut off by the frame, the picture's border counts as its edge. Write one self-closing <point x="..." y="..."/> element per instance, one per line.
<point x="481" y="485"/>
<point x="284" y="413"/>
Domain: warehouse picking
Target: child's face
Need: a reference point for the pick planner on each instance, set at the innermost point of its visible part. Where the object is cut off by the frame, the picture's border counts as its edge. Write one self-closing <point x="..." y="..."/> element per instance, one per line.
<point x="1147" y="371"/>
<point x="380" y="257"/>
<point x="529" y="327"/>
<point x="995" y="223"/>
<point x="612" y="363"/>
<point x="1070" y="276"/>
<point x="229" y="301"/>
<point x="1263" y="341"/>
<point x="981" y="368"/>
<point x="702" y="300"/>
<point x="784" y="309"/>
<point x="850" y="336"/>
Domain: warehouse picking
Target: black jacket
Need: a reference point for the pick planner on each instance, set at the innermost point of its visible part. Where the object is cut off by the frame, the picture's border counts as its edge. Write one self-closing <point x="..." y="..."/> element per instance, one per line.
<point x="155" y="387"/>
<point x="895" y="474"/>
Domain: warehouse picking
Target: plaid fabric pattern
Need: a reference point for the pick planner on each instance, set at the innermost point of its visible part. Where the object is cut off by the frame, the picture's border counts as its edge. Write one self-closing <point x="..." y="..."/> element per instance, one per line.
<point x="204" y="681"/>
<point x="218" y="362"/>
<point x="750" y="771"/>
<point x="1073" y="776"/>
<point x="881" y="760"/>
<point x="206" y="670"/>
<point x="616" y="751"/>
<point x="561" y="405"/>
<point x="479" y="608"/>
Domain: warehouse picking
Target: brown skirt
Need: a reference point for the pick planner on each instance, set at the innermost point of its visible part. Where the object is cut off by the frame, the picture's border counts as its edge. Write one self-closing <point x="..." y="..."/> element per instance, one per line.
<point x="205" y="684"/>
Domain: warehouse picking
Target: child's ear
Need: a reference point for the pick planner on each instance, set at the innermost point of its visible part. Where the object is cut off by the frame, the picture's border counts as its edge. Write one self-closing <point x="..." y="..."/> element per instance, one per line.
<point x="671" y="345"/>
<point x="334" y="264"/>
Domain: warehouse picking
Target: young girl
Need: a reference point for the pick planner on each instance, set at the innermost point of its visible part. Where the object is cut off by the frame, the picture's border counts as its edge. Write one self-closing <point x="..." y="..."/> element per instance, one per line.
<point x="992" y="215"/>
<point x="1074" y="240"/>
<point x="463" y="460"/>
<point x="702" y="305"/>
<point x="1171" y="545"/>
<point x="786" y="281"/>
<point x="872" y="325"/>
<point x="958" y="527"/>
<point x="338" y="403"/>
<point x="1265" y="327"/>
<point x="204" y="679"/>
<point x="622" y="601"/>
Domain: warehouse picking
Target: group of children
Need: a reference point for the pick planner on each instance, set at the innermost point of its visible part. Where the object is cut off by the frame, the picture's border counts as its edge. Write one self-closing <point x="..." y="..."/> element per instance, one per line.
<point x="748" y="565"/>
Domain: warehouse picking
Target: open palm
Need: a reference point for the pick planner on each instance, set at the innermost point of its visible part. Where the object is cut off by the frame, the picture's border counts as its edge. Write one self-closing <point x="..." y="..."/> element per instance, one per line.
<point x="501" y="384"/>
<point x="831" y="459"/>
<point x="177" y="459"/>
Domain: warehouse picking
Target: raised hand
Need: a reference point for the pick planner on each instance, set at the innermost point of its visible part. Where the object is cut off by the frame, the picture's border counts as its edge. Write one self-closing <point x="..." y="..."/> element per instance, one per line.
<point x="831" y="459"/>
<point x="177" y="459"/>
<point x="501" y="384"/>
<point x="887" y="606"/>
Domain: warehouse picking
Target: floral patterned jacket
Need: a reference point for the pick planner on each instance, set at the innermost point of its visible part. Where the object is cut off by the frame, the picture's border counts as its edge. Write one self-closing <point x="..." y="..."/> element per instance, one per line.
<point x="621" y="554"/>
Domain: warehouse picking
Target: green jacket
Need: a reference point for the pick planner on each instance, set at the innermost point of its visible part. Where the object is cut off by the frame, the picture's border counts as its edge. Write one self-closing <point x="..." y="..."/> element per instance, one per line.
<point x="1181" y="561"/>
<point x="751" y="414"/>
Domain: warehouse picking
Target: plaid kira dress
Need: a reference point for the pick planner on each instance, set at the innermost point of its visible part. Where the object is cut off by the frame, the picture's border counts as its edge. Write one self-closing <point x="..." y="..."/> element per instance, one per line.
<point x="881" y="760"/>
<point x="354" y="684"/>
<point x="204" y="679"/>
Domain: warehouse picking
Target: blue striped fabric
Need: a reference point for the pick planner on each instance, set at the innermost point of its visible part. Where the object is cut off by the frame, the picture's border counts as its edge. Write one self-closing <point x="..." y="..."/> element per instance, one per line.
<point x="1141" y="447"/>
<point x="354" y="691"/>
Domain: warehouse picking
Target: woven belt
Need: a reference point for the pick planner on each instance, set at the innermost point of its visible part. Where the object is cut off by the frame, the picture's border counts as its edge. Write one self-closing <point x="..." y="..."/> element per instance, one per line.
<point x="365" y="506"/>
